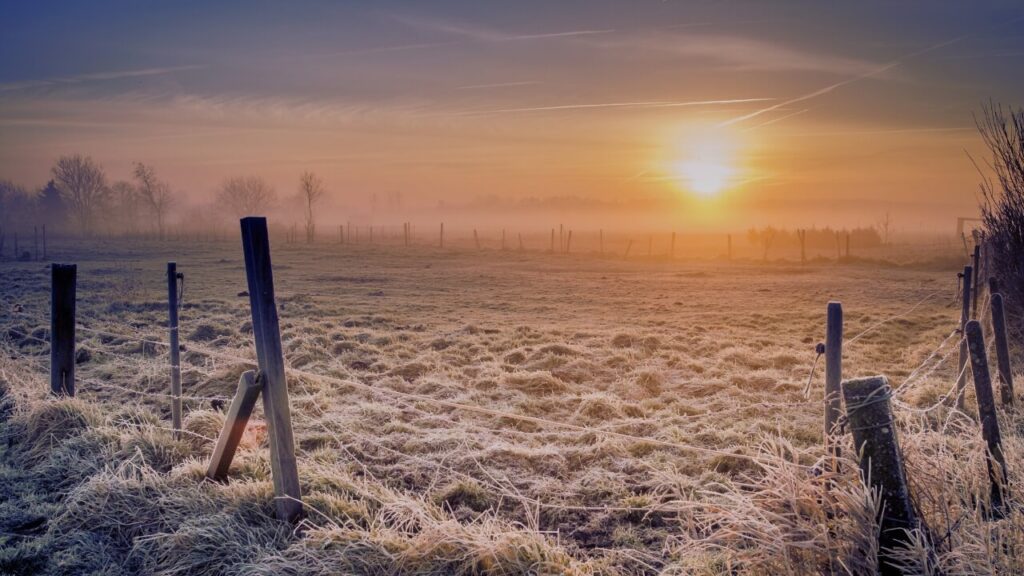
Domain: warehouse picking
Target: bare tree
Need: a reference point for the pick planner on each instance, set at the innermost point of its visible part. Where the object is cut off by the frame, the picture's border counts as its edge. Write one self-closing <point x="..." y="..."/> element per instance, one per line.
<point x="155" y="193"/>
<point x="125" y="205"/>
<point x="311" y="190"/>
<point x="245" y="196"/>
<point x="83" y="184"/>
<point x="885" y="226"/>
<point x="15" y="206"/>
<point x="1002" y="200"/>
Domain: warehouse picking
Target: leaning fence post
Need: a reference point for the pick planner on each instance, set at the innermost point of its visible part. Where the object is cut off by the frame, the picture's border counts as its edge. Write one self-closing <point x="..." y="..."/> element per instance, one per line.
<point x="974" y="281"/>
<point x="62" y="328"/>
<point x="881" y="464"/>
<point x="965" y="316"/>
<point x="1002" y="350"/>
<point x="987" y="414"/>
<point x="260" y="276"/>
<point x="833" y="377"/>
<point x="235" y="420"/>
<point x="172" y="326"/>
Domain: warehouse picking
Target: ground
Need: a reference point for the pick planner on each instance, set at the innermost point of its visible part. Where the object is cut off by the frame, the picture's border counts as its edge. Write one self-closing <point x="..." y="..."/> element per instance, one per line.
<point x="591" y="406"/>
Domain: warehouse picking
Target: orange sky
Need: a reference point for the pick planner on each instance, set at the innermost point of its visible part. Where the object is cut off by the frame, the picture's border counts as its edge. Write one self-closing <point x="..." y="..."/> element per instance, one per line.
<point x="705" y="115"/>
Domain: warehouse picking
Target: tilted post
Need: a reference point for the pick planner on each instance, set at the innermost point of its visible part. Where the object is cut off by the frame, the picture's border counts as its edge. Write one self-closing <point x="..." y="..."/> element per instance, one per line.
<point x="568" y="242"/>
<point x="881" y="464"/>
<point x="172" y="326"/>
<point x="64" y="279"/>
<point x="974" y="281"/>
<point x="965" y="316"/>
<point x="987" y="414"/>
<point x="235" y="420"/>
<point x="260" y="276"/>
<point x="1002" y="350"/>
<point x="833" y="377"/>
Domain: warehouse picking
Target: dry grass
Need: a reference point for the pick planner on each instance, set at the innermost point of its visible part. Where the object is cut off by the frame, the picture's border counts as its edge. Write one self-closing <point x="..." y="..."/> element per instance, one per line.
<point x="593" y="371"/>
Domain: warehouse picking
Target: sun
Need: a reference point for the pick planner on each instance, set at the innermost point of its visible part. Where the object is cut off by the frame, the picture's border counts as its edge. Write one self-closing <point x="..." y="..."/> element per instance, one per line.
<point x="706" y="166"/>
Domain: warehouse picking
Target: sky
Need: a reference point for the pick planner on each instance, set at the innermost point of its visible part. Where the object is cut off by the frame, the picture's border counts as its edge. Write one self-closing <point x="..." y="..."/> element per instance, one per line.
<point x="703" y="114"/>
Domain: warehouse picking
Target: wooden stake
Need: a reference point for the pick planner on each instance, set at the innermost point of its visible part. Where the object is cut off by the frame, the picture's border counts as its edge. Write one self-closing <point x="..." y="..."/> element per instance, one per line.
<point x="568" y="242"/>
<point x="987" y="414"/>
<point x="833" y="377"/>
<point x="442" y="235"/>
<point x="974" y="282"/>
<point x="249" y="386"/>
<point x="965" y="315"/>
<point x="1002" y="349"/>
<point x="881" y="464"/>
<point x="172" y="326"/>
<point x="64" y="279"/>
<point x="260" y="276"/>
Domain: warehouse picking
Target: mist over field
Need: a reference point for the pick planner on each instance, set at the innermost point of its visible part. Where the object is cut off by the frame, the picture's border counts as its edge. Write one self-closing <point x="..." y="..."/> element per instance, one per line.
<point x="590" y="288"/>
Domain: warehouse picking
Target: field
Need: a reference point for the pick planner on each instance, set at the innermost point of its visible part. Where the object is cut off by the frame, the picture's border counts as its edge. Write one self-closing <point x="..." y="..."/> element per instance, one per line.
<point x="482" y="412"/>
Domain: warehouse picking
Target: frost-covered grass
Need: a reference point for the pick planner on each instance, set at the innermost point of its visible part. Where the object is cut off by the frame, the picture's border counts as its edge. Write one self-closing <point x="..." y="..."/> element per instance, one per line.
<point x="615" y="364"/>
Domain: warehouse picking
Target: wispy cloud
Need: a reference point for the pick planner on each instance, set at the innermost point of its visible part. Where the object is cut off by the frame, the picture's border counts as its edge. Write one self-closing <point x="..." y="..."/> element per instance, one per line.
<point x="831" y="87"/>
<point x="497" y="85"/>
<point x="480" y="33"/>
<point x="95" y="77"/>
<point x="641" y="104"/>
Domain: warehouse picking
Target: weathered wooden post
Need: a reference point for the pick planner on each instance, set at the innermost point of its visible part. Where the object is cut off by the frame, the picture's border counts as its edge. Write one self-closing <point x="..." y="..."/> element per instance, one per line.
<point x="249" y="386"/>
<point x="802" y="234"/>
<point x="974" y="282"/>
<point x="993" y="285"/>
<point x="881" y="464"/>
<point x="260" y="277"/>
<point x="172" y="326"/>
<point x="833" y="377"/>
<point x="568" y="242"/>
<point x="476" y="239"/>
<point x="1002" y="349"/>
<point x="442" y="235"/>
<point x="965" y="315"/>
<point x="64" y="280"/>
<point x="987" y="414"/>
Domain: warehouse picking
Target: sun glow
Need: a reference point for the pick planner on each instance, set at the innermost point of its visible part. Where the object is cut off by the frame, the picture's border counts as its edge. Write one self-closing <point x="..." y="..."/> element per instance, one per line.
<point x="707" y="167"/>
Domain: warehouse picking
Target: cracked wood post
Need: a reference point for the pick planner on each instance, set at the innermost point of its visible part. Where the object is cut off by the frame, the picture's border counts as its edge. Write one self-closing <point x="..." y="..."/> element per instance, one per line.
<point x="235" y="420"/>
<point x="172" y="327"/>
<point x="260" y="276"/>
<point x="63" y="278"/>
<point x="987" y="414"/>
<point x="965" y="316"/>
<point x="833" y="378"/>
<point x="975" y="289"/>
<point x="881" y="464"/>
<point x="1002" y="348"/>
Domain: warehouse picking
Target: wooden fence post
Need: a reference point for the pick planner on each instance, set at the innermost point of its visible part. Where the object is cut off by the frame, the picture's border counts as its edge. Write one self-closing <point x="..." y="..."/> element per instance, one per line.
<point x="987" y="414"/>
<point x="1002" y="349"/>
<point x="64" y="279"/>
<point x="260" y="277"/>
<point x="833" y="377"/>
<point x="172" y="326"/>
<point x="441" y="244"/>
<point x="974" y="282"/>
<point x="965" y="316"/>
<point x="552" y="240"/>
<point x="881" y="464"/>
<point x="568" y="242"/>
<point x="235" y="420"/>
<point x="476" y="239"/>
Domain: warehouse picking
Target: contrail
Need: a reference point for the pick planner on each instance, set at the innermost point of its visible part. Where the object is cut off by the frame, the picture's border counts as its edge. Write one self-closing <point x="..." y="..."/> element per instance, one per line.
<point x="97" y="76"/>
<point x="650" y="104"/>
<point x="831" y="87"/>
<point x="497" y="85"/>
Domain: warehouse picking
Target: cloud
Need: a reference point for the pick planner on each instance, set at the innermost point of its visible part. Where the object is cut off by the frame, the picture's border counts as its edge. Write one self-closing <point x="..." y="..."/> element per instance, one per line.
<point x="497" y="85"/>
<point x="641" y="104"/>
<point x="96" y="77"/>
<point x="480" y="33"/>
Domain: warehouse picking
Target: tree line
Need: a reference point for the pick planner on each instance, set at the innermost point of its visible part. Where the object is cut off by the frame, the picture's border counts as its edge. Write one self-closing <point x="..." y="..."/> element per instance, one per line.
<point x="81" y="198"/>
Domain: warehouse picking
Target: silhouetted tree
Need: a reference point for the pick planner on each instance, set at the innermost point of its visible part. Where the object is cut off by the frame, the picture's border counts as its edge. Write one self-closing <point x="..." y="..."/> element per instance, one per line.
<point x="52" y="211"/>
<point x="245" y="196"/>
<point x="155" y="194"/>
<point x="125" y="206"/>
<point x="16" y="208"/>
<point x="83" y="186"/>
<point x="1002" y="200"/>
<point x="311" y="190"/>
